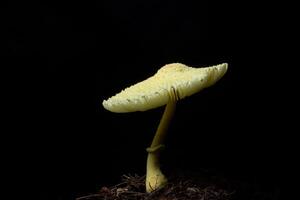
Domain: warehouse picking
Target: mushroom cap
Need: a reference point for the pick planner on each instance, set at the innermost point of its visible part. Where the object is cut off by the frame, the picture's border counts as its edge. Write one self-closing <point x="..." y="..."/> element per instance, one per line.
<point x="155" y="91"/>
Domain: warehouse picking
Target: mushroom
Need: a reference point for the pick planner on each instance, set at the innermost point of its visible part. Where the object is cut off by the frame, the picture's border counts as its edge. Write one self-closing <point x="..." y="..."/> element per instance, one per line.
<point x="171" y="83"/>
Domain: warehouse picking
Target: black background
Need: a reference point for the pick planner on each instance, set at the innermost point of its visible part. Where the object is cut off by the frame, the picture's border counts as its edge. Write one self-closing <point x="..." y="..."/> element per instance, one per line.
<point x="74" y="55"/>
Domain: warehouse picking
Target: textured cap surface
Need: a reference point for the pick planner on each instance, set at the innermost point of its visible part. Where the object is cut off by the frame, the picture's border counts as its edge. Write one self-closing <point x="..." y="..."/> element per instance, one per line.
<point x="154" y="91"/>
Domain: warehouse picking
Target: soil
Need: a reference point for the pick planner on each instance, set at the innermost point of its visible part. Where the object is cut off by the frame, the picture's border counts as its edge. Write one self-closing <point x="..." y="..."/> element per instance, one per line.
<point x="182" y="187"/>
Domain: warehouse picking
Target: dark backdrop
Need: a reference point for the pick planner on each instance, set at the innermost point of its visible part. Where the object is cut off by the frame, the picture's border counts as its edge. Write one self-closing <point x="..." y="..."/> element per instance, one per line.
<point x="76" y="54"/>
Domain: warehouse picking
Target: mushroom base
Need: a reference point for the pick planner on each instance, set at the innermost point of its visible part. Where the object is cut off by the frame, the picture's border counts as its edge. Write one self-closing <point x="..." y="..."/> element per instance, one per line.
<point x="155" y="179"/>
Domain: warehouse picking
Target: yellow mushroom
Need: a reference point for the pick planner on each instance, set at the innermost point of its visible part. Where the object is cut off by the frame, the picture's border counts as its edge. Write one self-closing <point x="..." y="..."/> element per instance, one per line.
<point x="171" y="82"/>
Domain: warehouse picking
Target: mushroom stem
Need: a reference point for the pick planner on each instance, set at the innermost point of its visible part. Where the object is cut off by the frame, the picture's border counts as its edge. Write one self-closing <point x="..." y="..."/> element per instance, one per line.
<point x="155" y="179"/>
